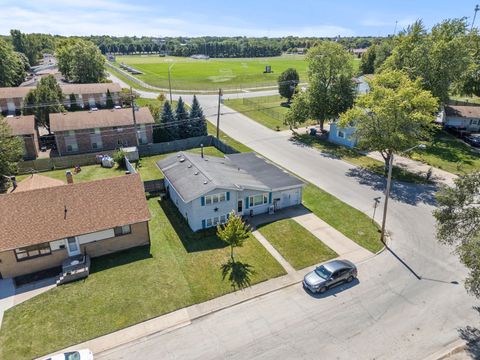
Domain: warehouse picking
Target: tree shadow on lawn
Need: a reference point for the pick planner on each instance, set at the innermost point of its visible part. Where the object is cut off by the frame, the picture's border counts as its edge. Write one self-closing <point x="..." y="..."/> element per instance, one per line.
<point x="124" y="257"/>
<point x="471" y="335"/>
<point x="411" y="194"/>
<point x="192" y="241"/>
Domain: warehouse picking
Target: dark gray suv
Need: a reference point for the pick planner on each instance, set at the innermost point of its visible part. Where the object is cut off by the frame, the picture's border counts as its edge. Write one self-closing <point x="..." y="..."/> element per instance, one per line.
<point x="330" y="274"/>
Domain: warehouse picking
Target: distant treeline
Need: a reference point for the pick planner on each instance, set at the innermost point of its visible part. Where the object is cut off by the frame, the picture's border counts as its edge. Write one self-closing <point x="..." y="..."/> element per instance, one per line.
<point x="232" y="47"/>
<point x="33" y="45"/>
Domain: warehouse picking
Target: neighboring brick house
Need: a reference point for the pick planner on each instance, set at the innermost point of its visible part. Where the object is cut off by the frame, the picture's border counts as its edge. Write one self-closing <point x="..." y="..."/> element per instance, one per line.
<point x="24" y="128"/>
<point x="11" y="98"/>
<point x="460" y="117"/>
<point x="93" y="131"/>
<point x="41" y="228"/>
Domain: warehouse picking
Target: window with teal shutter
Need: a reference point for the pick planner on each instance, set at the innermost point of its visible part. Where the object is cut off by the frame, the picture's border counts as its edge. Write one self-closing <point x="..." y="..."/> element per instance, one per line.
<point x="202" y="199"/>
<point x="269" y="198"/>
<point x="228" y="195"/>
<point x="203" y="222"/>
<point x="247" y="205"/>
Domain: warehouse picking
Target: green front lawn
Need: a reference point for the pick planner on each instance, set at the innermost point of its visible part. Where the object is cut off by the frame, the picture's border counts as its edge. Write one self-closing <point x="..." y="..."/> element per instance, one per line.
<point x="351" y="222"/>
<point x="180" y="268"/>
<point x="212" y="130"/>
<point x="450" y="154"/>
<point x="355" y="158"/>
<point x="296" y="244"/>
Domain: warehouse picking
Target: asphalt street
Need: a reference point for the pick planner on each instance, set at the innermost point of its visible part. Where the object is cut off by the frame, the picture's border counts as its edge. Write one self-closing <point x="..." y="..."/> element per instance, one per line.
<point x="409" y="301"/>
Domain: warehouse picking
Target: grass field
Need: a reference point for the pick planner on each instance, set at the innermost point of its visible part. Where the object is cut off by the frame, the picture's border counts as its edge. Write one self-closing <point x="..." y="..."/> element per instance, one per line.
<point x="296" y="244"/>
<point x="449" y="153"/>
<point x="266" y="110"/>
<point x="190" y="74"/>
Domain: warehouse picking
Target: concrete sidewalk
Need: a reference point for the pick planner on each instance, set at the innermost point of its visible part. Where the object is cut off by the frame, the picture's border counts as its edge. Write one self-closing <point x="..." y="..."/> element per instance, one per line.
<point x="438" y="175"/>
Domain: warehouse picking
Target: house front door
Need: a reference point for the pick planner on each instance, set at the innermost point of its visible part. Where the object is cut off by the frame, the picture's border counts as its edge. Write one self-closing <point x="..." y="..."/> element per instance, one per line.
<point x="240" y="207"/>
<point x="73" y="246"/>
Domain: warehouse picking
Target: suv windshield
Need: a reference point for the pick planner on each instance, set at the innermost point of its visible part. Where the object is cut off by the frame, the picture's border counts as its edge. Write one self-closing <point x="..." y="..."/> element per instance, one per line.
<point x="323" y="272"/>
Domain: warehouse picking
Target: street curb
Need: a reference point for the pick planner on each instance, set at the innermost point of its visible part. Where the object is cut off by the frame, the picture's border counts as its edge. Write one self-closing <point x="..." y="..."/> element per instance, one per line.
<point x="449" y="350"/>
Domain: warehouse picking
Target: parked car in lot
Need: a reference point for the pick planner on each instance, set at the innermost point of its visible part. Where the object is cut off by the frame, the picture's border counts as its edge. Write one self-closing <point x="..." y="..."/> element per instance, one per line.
<point x="473" y="140"/>
<point x="330" y="274"/>
<point x="84" y="354"/>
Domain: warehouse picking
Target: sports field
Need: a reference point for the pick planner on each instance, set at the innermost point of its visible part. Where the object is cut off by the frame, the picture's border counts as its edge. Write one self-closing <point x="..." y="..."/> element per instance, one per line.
<point x="190" y="74"/>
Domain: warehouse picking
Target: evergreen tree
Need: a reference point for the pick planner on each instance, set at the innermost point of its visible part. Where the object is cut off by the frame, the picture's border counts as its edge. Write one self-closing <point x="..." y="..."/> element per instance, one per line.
<point x="183" y="121"/>
<point x="168" y="130"/>
<point x="73" y="103"/>
<point x="109" y="100"/>
<point x="197" y="119"/>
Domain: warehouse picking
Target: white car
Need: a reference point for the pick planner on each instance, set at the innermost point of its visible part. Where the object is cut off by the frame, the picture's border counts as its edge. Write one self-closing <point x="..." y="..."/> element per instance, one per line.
<point x="84" y="354"/>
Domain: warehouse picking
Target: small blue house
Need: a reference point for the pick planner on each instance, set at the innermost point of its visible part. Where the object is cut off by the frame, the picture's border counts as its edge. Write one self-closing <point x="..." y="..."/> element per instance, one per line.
<point x="342" y="136"/>
<point x="206" y="189"/>
<point x="346" y="136"/>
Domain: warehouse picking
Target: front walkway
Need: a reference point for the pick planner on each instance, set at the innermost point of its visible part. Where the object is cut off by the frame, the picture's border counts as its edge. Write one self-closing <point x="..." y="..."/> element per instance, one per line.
<point x="266" y="244"/>
<point x="330" y="236"/>
<point x="438" y="175"/>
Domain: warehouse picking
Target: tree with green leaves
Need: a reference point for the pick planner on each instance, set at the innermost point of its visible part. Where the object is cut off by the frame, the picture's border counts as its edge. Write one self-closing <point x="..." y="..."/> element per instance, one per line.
<point x="183" y="120"/>
<point x="11" y="151"/>
<point x="331" y="89"/>
<point x="438" y="58"/>
<point x="46" y="98"/>
<point x="299" y="110"/>
<point x="168" y="131"/>
<point x="109" y="104"/>
<point x="12" y="67"/>
<point x="234" y="232"/>
<point x="197" y="119"/>
<point x="367" y="63"/>
<point x="73" y="103"/>
<point x="393" y="116"/>
<point x="458" y="224"/>
<point x="80" y="61"/>
<point x="469" y="83"/>
<point x="287" y="83"/>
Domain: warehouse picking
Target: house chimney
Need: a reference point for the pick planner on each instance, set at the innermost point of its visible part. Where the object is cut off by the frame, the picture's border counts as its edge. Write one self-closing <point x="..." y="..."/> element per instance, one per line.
<point x="201" y="147"/>
<point x="69" y="175"/>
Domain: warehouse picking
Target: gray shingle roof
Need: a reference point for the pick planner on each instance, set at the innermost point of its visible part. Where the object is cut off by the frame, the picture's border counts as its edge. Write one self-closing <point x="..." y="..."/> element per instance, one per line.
<point x="193" y="176"/>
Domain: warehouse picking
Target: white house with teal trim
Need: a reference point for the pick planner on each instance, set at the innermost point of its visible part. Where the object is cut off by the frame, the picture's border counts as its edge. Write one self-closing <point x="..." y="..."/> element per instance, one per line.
<point x="206" y="189"/>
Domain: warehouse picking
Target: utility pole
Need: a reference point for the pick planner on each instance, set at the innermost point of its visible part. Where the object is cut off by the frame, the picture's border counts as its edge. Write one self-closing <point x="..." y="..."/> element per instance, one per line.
<point x="134" y="118"/>
<point x="387" y="196"/>
<point x="220" y="93"/>
<point x="477" y="8"/>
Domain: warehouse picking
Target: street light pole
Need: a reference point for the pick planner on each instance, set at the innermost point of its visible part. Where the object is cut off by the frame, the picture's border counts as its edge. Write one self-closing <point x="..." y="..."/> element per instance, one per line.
<point x="218" y="113"/>
<point x="134" y="118"/>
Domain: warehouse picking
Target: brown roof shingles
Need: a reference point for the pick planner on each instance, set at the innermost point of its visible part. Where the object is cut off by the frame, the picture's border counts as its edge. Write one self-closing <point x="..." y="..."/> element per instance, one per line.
<point x="463" y="111"/>
<point x="98" y="119"/>
<point x="36" y="181"/>
<point x="21" y="125"/>
<point x="38" y="216"/>
<point x="67" y="89"/>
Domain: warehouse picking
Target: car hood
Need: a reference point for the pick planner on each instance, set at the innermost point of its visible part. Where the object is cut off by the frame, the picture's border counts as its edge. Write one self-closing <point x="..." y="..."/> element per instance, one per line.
<point x="313" y="279"/>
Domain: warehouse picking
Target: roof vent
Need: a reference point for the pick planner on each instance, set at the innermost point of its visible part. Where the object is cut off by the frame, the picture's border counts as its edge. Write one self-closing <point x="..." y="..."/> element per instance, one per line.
<point x="182" y="159"/>
<point x="189" y="166"/>
<point x="195" y="173"/>
<point x="205" y="182"/>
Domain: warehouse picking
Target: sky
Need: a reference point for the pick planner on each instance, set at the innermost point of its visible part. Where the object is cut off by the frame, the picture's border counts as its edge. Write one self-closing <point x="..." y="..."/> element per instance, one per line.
<point x="226" y="18"/>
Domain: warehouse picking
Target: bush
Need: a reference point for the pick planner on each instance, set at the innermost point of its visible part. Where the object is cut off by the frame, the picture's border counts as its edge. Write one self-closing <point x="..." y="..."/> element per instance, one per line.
<point x="119" y="157"/>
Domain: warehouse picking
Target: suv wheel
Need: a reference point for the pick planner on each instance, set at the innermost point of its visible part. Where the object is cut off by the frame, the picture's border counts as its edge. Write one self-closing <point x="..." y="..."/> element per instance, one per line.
<point x="350" y="278"/>
<point x="322" y="289"/>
